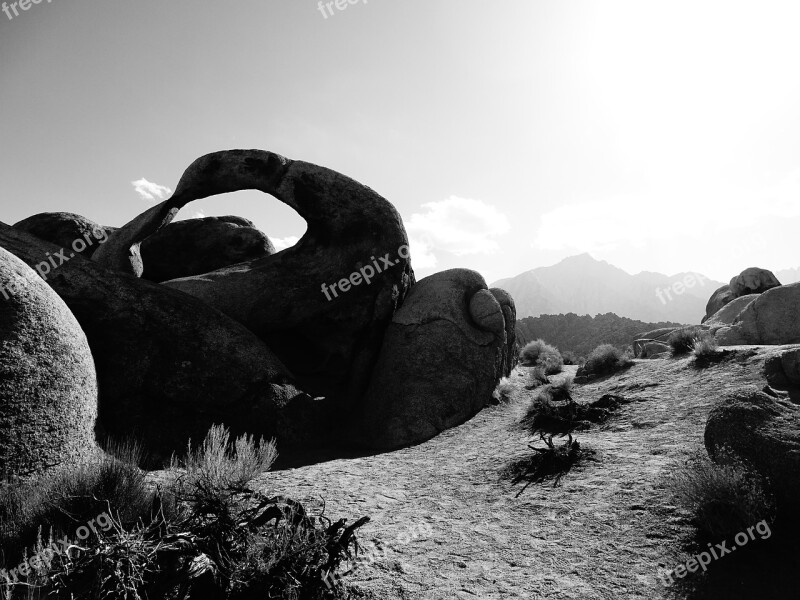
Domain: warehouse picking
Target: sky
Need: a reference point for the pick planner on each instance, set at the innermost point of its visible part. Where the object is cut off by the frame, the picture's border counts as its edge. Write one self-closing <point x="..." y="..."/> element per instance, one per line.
<point x="658" y="136"/>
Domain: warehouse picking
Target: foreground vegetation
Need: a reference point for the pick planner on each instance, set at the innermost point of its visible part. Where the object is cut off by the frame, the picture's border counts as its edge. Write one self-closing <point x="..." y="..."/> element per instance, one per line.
<point x="101" y="531"/>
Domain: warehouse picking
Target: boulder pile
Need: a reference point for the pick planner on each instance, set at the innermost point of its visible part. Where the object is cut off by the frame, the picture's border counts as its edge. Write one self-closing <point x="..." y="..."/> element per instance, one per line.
<point x="327" y="343"/>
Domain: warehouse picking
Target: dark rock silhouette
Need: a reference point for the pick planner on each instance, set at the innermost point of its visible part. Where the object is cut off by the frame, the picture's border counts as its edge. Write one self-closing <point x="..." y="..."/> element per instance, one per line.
<point x="439" y="363"/>
<point x="197" y="246"/>
<point x="48" y="384"/>
<point x="329" y="338"/>
<point x="64" y="229"/>
<point x="170" y="366"/>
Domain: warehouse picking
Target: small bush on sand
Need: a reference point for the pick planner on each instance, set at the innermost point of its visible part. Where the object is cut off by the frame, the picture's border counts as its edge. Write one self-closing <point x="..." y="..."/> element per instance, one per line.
<point x="538" y="378"/>
<point x="724" y="498"/>
<point x="705" y="348"/>
<point x="206" y="534"/>
<point x="504" y="390"/>
<point x="682" y="341"/>
<point x="549" y="463"/>
<point x="540" y="354"/>
<point x="605" y="360"/>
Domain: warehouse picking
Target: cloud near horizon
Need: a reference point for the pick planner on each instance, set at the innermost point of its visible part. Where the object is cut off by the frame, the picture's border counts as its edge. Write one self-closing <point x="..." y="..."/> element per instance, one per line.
<point x="149" y="191"/>
<point x="459" y="226"/>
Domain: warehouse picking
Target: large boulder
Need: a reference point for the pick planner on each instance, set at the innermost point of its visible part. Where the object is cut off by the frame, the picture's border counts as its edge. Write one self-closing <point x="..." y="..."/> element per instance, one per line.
<point x="727" y="314"/>
<point x="321" y="305"/>
<point x="783" y="370"/>
<point x="169" y="366"/>
<point x="764" y="430"/>
<point x="753" y="281"/>
<point x="197" y="246"/>
<point x="771" y="318"/>
<point x="48" y="384"/>
<point x="510" y="354"/>
<point x="650" y="349"/>
<point x="719" y="298"/>
<point x="439" y="362"/>
<point x="76" y="234"/>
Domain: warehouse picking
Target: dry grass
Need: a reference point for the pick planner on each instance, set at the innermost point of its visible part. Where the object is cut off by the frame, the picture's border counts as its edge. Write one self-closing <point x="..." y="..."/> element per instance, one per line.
<point x="724" y="498"/>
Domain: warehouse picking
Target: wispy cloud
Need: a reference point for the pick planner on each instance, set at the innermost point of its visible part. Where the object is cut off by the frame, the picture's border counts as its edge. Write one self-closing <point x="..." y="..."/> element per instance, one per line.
<point x="283" y="243"/>
<point x="149" y="191"/>
<point x="459" y="226"/>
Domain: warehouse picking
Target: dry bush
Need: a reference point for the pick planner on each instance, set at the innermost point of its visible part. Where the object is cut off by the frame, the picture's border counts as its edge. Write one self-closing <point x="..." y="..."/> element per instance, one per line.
<point x="504" y="390"/>
<point x="705" y="348"/>
<point x="540" y="354"/>
<point x="206" y="534"/>
<point x="605" y="360"/>
<point x="682" y="341"/>
<point x="549" y="463"/>
<point x="724" y="497"/>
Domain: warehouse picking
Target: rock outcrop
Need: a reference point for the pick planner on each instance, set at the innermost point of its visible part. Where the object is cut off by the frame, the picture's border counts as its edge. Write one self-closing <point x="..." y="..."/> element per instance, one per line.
<point x="197" y="246"/>
<point x="647" y="348"/>
<point x="74" y="233"/>
<point x="719" y="298"/>
<point x="48" y="384"/>
<point x="439" y="362"/>
<point x="771" y="318"/>
<point x="728" y="313"/>
<point x="753" y="281"/>
<point x="321" y="305"/>
<point x="170" y="366"/>
<point x="764" y="430"/>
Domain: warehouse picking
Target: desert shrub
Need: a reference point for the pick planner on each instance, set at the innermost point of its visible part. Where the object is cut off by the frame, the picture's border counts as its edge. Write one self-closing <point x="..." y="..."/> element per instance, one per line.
<point x="538" y="377"/>
<point x="206" y="533"/>
<point x="682" y="341"/>
<point x="569" y="357"/>
<point x="705" y="348"/>
<point x="724" y="497"/>
<point x="540" y="354"/>
<point x="549" y="463"/>
<point x="68" y="499"/>
<point x="605" y="360"/>
<point x="503" y="391"/>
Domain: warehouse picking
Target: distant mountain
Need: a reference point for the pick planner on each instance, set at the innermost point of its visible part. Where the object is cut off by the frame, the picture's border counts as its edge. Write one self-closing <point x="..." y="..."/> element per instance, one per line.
<point x="787" y="276"/>
<point x="582" y="334"/>
<point x="585" y="286"/>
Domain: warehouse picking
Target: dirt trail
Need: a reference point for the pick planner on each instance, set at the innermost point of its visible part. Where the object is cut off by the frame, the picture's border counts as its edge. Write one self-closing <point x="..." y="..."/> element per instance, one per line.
<point x="601" y="534"/>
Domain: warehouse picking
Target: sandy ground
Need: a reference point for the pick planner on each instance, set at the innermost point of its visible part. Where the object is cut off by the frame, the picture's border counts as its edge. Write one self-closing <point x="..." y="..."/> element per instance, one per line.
<point x="450" y="526"/>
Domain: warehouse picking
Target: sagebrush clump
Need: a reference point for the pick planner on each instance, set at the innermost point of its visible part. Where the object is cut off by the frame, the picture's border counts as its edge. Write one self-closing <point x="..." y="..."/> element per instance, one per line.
<point x="682" y="341"/>
<point x="538" y="353"/>
<point x="605" y="360"/>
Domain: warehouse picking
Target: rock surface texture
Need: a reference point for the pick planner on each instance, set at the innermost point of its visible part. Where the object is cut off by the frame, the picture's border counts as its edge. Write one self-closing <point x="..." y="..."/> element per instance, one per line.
<point x="441" y="359"/>
<point x="48" y="384"/>
<point x="765" y="431"/>
<point x="197" y="246"/>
